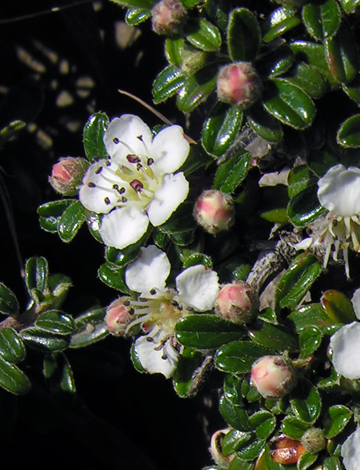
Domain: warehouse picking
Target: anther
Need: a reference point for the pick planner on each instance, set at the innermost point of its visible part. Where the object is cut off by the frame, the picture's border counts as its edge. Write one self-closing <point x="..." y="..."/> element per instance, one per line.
<point x="108" y="163"/>
<point x="136" y="185"/>
<point x="140" y="137"/>
<point x="149" y="339"/>
<point x="91" y="185"/>
<point x="164" y="356"/>
<point x="124" y="199"/>
<point x="174" y="303"/>
<point x="131" y="158"/>
<point x="139" y="166"/>
<point x="116" y="187"/>
<point x="127" y="303"/>
<point x="121" y="190"/>
<point x="153" y="292"/>
<point x="99" y="170"/>
<point x="189" y="309"/>
<point x="116" y="140"/>
<point x="150" y="161"/>
<point x="107" y="201"/>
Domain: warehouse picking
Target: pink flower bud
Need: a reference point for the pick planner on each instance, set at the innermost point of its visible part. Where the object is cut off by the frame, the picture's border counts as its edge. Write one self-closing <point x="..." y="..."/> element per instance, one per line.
<point x="287" y="451"/>
<point x="214" y="211"/>
<point x="168" y="17"/>
<point x="239" y="84"/>
<point x="67" y="175"/>
<point x="313" y="440"/>
<point x="237" y="302"/>
<point x="272" y="376"/>
<point x="118" y="316"/>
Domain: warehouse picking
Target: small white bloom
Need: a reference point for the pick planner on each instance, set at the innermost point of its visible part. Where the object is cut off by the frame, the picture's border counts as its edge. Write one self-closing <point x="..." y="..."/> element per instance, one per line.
<point x="137" y="183"/>
<point x="350" y="451"/>
<point x="158" y="308"/>
<point x="339" y="193"/>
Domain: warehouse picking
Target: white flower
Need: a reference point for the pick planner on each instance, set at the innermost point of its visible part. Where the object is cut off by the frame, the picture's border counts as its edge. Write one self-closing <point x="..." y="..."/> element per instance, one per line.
<point x="350" y="451"/>
<point x="339" y="193"/>
<point x="137" y="183"/>
<point x="158" y="308"/>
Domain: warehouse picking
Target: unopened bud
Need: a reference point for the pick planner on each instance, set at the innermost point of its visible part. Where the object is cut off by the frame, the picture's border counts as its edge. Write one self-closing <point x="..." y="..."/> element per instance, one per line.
<point x="67" y="175"/>
<point x="273" y="376"/>
<point x="118" y="316"/>
<point x="168" y="17"/>
<point x="237" y="302"/>
<point x="287" y="451"/>
<point x="239" y="84"/>
<point x="214" y="211"/>
<point x="192" y="59"/>
<point x="313" y="440"/>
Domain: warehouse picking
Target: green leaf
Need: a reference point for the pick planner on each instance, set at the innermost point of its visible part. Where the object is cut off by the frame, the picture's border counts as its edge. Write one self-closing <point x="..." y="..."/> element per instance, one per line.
<point x="294" y="427"/>
<point x="135" y="3"/>
<point x="332" y="463"/>
<point x="276" y="337"/>
<point x="312" y="315"/>
<point x="183" y="380"/>
<point x="265" y="125"/>
<point x="221" y="129"/>
<point x="179" y="221"/>
<point x="349" y="6"/>
<point x="306" y="460"/>
<point x="234" y="414"/>
<point x="94" y="132"/>
<point x="9" y="304"/>
<point x="299" y="179"/>
<point x="55" y="321"/>
<point x="305" y="207"/>
<point x="10" y="130"/>
<point x="135" y="16"/>
<point x="274" y="202"/>
<point x="232" y="173"/>
<point x="58" y="372"/>
<point x="235" y="440"/>
<point x="238" y="464"/>
<point x="51" y="212"/>
<point x="36" y="274"/>
<point x="276" y="61"/>
<point x="297" y="280"/>
<point x="206" y="331"/>
<point x="239" y="356"/>
<point x="353" y="89"/>
<point x="203" y="35"/>
<point x="251" y="450"/>
<point x="243" y="35"/>
<point x="173" y="50"/>
<point x="12" y="348"/>
<point x="305" y="401"/>
<point x="263" y="423"/>
<point x="288" y="103"/>
<point x="135" y="359"/>
<point x="167" y="84"/>
<point x="335" y="420"/>
<point x="90" y="328"/>
<point x="121" y="258"/>
<point x="71" y="220"/>
<point x="310" y="340"/>
<point x="338" y="307"/>
<point x="279" y="22"/>
<point x="349" y="132"/>
<point x="322" y="20"/>
<point x="197" y="88"/>
<point x="44" y="341"/>
<point x="13" y="379"/>
<point x="113" y="277"/>
<point x="309" y="79"/>
<point x="197" y="258"/>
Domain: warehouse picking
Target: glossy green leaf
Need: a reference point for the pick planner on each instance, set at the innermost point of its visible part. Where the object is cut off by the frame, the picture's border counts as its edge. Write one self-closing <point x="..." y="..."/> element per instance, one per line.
<point x="234" y="414"/>
<point x="235" y="440"/>
<point x="279" y="22"/>
<point x="135" y="359"/>
<point x="167" y="84"/>
<point x="221" y="129"/>
<point x="206" y="331"/>
<point x="71" y="221"/>
<point x="113" y="277"/>
<point x="335" y="420"/>
<point x="173" y="50"/>
<point x="203" y="35"/>
<point x="294" y="427"/>
<point x="312" y="315"/>
<point x="252" y="449"/>
<point x="55" y="321"/>
<point x="13" y="379"/>
<point x="239" y="356"/>
<point x="309" y="79"/>
<point x="90" y="328"/>
<point x="243" y="35"/>
<point x="197" y="258"/>
<point x="297" y="280"/>
<point x="12" y="348"/>
<point x="183" y="380"/>
<point x="305" y="207"/>
<point x="36" y="274"/>
<point x="338" y="307"/>
<point x="51" y="212"/>
<point x="322" y="19"/>
<point x="239" y="464"/>
<point x="263" y="423"/>
<point x="9" y="304"/>
<point x="265" y="125"/>
<point x="305" y="401"/>
<point x="232" y="173"/>
<point x="135" y="3"/>
<point x="58" y="372"/>
<point x="135" y="16"/>
<point x="349" y="132"/>
<point x="10" y="130"/>
<point x="352" y="89"/>
<point x="341" y="55"/>
<point x="300" y="178"/>
<point x="332" y="463"/>
<point x="276" y="62"/>
<point x="306" y="460"/>
<point x="288" y="103"/>
<point x="44" y="341"/>
<point x="274" y="202"/>
<point x="94" y="131"/>
<point x="349" y="6"/>
<point x="275" y="337"/>
<point x="197" y="88"/>
<point x="310" y="340"/>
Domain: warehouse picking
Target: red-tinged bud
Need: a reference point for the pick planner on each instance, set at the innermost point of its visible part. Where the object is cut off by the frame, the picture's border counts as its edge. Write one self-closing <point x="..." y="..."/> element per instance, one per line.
<point x="214" y="211"/>
<point x="118" y="316"/>
<point x="237" y="302"/>
<point x="313" y="440"/>
<point x="287" y="451"/>
<point x="273" y="376"/>
<point x="239" y="84"/>
<point x="216" y="449"/>
<point x="168" y="17"/>
<point x="67" y="175"/>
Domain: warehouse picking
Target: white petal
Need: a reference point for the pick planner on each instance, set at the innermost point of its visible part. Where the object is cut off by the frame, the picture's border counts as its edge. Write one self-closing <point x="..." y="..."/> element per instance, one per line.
<point x="356" y="303"/>
<point x="350" y="451"/>
<point x="126" y="130"/>
<point x="303" y="245"/>
<point x="169" y="150"/>
<point x="157" y="359"/>
<point x="149" y="271"/>
<point x="345" y="347"/>
<point x="198" y="287"/>
<point x="167" y="198"/>
<point x="123" y="227"/>
<point x="339" y="190"/>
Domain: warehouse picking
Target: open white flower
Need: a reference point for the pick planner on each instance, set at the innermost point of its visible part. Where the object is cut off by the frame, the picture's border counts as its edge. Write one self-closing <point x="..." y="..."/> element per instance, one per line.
<point x="137" y="183"/>
<point x="158" y="308"/>
<point x="339" y="193"/>
<point x="350" y="451"/>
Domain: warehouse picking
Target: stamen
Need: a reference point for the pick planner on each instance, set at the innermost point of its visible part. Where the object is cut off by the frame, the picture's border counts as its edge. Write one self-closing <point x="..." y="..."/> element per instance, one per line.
<point x="91" y="185"/>
<point x="116" y="187"/>
<point x="133" y="158"/>
<point x="139" y="166"/>
<point x="149" y="339"/>
<point x="116" y="140"/>
<point x="108" y="163"/>
<point x="99" y="170"/>
<point x="107" y="201"/>
<point x="124" y="199"/>
<point x="127" y="303"/>
<point x="136" y="185"/>
<point x="150" y="161"/>
<point x="153" y="292"/>
<point x="121" y="190"/>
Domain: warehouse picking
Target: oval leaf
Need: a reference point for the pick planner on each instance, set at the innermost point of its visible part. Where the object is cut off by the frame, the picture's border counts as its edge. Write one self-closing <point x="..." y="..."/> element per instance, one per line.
<point x="167" y="84"/>
<point x="305" y="207"/>
<point x="203" y="35"/>
<point x="335" y="420"/>
<point x="94" y="131"/>
<point x="243" y="35"/>
<point x="71" y="221"/>
<point x="322" y="20"/>
<point x="265" y="125"/>
<point x="9" y="304"/>
<point x="305" y="401"/>
<point x="54" y="321"/>
<point x="44" y="341"/>
<point x="51" y="212"/>
<point x="232" y="173"/>
<point x="12" y="348"/>
<point x="13" y="379"/>
<point x="239" y="356"/>
<point x="90" y="328"/>
<point x="279" y="22"/>
<point x="310" y="340"/>
<point x="349" y="133"/>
